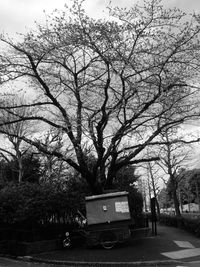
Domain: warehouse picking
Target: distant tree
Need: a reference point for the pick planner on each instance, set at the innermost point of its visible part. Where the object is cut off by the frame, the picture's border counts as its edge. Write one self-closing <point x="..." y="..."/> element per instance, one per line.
<point x="32" y="168"/>
<point x="164" y="199"/>
<point x="173" y="157"/>
<point x="190" y="186"/>
<point x="53" y="168"/>
<point x="195" y="185"/>
<point x="31" y="171"/>
<point x="143" y="187"/>
<point x="14" y="148"/>
<point x="153" y="183"/>
<point x="113" y="85"/>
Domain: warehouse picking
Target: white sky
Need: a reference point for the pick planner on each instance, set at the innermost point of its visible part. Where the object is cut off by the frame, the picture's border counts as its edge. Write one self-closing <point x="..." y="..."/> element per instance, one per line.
<point x="19" y="15"/>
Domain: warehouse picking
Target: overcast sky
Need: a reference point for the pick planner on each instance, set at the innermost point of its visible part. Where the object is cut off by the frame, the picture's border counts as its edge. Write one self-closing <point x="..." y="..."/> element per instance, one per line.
<point x="19" y="15"/>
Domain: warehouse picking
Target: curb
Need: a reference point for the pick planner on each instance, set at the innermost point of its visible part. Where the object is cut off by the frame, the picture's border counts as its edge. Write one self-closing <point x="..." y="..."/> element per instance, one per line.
<point x="101" y="264"/>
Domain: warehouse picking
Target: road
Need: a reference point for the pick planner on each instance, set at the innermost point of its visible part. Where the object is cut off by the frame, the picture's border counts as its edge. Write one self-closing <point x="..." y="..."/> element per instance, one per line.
<point x="171" y="244"/>
<point x="4" y="262"/>
<point x="196" y="264"/>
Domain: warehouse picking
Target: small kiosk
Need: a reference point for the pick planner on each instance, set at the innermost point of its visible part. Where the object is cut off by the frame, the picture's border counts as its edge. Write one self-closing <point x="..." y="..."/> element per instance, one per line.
<point x="108" y="219"/>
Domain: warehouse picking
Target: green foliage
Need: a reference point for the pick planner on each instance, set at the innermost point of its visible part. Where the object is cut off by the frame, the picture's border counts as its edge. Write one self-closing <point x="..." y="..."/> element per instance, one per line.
<point x="191" y="225"/>
<point x="136" y="206"/>
<point x="32" y="166"/>
<point x="31" y="169"/>
<point x="194" y="183"/>
<point x="37" y="204"/>
<point x="164" y="199"/>
<point x="125" y="177"/>
<point x="189" y="185"/>
<point x="125" y="180"/>
<point x="78" y="189"/>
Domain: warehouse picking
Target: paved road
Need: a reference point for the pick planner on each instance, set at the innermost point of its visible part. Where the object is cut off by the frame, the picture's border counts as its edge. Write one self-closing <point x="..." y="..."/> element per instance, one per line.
<point x="182" y="265"/>
<point x="171" y="246"/>
<point x="5" y="262"/>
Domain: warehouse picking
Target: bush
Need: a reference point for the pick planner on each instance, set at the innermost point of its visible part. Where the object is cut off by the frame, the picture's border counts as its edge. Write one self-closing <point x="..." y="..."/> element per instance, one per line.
<point x="37" y="204"/>
<point x="136" y="206"/>
<point x="191" y="225"/>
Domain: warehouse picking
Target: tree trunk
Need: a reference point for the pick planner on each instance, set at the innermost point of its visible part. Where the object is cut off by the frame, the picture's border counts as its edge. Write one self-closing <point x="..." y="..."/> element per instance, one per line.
<point x="20" y="170"/>
<point x="154" y="188"/>
<point x="176" y="204"/>
<point x="197" y="193"/>
<point x="180" y="201"/>
<point x="157" y="207"/>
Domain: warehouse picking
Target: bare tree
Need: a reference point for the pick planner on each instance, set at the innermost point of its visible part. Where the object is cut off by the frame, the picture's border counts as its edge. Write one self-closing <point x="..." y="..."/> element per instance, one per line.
<point x="14" y="147"/>
<point x="153" y="181"/>
<point x="173" y="157"/>
<point x="111" y="86"/>
<point x="53" y="169"/>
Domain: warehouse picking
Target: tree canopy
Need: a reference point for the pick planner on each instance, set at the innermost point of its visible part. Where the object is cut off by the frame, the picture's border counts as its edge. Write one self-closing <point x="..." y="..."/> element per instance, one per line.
<point x="110" y="86"/>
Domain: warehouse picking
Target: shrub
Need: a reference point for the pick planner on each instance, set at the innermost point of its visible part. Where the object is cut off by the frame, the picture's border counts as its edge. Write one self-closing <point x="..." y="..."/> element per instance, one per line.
<point x="191" y="225"/>
<point x="36" y="204"/>
<point x="136" y="206"/>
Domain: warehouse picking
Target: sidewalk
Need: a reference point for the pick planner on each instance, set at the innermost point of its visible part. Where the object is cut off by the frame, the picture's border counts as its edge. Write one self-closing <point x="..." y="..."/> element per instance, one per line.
<point x="169" y="246"/>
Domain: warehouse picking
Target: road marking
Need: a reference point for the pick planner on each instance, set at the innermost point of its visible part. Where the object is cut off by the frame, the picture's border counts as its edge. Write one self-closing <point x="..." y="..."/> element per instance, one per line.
<point x="184" y="244"/>
<point x="181" y="254"/>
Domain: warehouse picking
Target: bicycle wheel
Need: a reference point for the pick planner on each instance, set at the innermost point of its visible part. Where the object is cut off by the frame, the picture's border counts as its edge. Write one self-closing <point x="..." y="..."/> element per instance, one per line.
<point x="108" y="239"/>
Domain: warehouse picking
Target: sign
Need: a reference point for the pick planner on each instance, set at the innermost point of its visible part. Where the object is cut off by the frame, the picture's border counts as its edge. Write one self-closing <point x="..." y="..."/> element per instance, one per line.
<point x="122" y="207"/>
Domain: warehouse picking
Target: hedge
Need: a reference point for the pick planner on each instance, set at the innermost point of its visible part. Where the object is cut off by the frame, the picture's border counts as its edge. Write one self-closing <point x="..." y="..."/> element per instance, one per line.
<point x="191" y="225"/>
<point x="33" y="203"/>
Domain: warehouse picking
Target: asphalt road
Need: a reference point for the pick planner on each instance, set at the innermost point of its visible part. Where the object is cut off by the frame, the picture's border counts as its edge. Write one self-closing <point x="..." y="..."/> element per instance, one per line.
<point x="171" y="247"/>
<point x="5" y="262"/>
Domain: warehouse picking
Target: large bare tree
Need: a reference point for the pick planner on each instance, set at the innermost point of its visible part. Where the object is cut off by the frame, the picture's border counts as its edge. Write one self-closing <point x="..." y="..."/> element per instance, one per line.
<point x="110" y="86"/>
